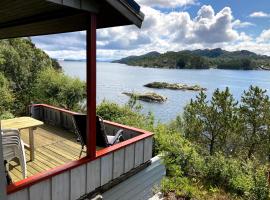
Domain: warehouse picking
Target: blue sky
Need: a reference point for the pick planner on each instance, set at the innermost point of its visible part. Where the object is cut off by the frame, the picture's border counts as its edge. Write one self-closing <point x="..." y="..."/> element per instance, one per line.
<point x="174" y="25"/>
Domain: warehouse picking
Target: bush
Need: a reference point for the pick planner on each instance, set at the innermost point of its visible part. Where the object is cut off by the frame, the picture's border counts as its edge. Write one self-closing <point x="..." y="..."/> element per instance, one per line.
<point x="192" y="175"/>
<point x="128" y="115"/>
<point x="6" y="115"/>
<point x="7" y="96"/>
<point x="55" y="88"/>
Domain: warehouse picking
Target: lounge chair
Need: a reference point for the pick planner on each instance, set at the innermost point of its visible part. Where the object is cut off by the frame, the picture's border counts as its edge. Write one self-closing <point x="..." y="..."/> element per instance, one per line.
<point x="13" y="147"/>
<point x="80" y="124"/>
<point x="102" y="139"/>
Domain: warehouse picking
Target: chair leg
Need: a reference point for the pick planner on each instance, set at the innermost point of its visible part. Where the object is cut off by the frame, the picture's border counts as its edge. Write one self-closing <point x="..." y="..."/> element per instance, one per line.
<point x="23" y="166"/>
<point x="81" y="153"/>
<point x="23" y="161"/>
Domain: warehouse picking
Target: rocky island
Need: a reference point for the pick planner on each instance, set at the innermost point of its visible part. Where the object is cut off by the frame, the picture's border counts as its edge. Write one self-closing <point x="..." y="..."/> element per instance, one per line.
<point x="148" y="97"/>
<point x="174" y="86"/>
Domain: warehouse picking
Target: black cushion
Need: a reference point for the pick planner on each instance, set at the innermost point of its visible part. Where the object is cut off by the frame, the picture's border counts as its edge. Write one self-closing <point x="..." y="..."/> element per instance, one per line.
<point x="101" y="137"/>
<point x="81" y="125"/>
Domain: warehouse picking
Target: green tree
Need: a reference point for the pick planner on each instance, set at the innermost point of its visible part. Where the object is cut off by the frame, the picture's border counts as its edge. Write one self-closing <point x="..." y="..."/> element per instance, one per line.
<point x="254" y="112"/>
<point x="212" y="124"/>
<point x="7" y="97"/>
<point x="21" y="62"/>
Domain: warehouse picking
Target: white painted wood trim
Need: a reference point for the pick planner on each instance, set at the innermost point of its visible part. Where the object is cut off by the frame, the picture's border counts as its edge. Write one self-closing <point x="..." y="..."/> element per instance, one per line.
<point x="138" y="153"/>
<point x="148" y="146"/>
<point x="20" y="195"/>
<point x="118" y="163"/>
<point x="3" y="182"/>
<point x="40" y="191"/>
<point x="61" y="186"/>
<point x="129" y="157"/>
<point x="106" y="169"/>
<point x="93" y="175"/>
<point x="77" y="182"/>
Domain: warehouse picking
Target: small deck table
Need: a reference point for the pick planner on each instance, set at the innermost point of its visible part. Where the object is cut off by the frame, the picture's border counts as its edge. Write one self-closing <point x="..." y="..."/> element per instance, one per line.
<point x="24" y="123"/>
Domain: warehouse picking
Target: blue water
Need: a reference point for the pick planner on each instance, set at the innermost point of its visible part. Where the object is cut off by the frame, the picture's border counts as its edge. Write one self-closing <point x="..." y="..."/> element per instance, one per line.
<point x="113" y="79"/>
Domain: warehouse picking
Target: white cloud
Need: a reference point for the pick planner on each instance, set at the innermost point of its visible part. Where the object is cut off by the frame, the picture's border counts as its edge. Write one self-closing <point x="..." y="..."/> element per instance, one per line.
<point x="161" y="32"/>
<point x="238" y="24"/>
<point x="259" y="14"/>
<point x="166" y="3"/>
<point x="264" y="36"/>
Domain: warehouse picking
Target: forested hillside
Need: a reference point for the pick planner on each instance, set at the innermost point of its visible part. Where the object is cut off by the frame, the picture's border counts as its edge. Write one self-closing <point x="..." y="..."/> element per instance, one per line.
<point x="200" y="59"/>
<point x="28" y="74"/>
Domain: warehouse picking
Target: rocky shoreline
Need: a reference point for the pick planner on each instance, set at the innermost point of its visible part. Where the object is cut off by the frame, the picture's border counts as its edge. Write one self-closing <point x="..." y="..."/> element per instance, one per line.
<point x="174" y="86"/>
<point x="148" y="97"/>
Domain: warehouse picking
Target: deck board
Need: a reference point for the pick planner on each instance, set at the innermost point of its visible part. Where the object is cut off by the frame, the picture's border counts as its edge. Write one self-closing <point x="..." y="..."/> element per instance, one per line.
<point x="53" y="147"/>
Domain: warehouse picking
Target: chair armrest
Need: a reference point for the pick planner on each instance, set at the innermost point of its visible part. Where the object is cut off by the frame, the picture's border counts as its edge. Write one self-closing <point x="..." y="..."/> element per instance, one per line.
<point x="114" y="139"/>
<point x="10" y="130"/>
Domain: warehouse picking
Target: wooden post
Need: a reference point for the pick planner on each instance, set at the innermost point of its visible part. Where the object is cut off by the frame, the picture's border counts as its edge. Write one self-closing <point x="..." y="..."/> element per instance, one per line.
<point x="3" y="183"/>
<point x="91" y="86"/>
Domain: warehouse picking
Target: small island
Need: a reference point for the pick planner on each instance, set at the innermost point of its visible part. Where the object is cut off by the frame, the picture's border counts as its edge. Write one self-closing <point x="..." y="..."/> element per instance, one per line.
<point x="148" y="96"/>
<point x="174" y="86"/>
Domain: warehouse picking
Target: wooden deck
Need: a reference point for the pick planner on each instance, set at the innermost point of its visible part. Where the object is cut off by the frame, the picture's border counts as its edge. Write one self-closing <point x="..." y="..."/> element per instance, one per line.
<point x="53" y="147"/>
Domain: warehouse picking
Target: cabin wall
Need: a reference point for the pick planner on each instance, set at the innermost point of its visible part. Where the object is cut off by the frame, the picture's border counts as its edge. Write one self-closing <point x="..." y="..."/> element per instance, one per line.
<point x="84" y="179"/>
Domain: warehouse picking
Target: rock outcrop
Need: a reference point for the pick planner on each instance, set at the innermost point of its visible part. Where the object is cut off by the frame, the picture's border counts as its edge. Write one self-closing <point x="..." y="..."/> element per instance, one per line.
<point x="174" y="86"/>
<point x="148" y="97"/>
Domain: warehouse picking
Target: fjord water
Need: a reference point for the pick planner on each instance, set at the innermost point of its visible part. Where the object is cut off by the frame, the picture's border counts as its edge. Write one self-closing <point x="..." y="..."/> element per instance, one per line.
<point x="114" y="78"/>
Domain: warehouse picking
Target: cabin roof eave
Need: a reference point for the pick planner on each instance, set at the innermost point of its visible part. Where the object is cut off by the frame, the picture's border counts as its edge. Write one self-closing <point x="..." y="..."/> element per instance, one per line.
<point x="41" y="17"/>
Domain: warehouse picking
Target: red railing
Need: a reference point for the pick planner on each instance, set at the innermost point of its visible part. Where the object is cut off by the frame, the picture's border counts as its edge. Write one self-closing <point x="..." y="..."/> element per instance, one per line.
<point x="20" y="185"/>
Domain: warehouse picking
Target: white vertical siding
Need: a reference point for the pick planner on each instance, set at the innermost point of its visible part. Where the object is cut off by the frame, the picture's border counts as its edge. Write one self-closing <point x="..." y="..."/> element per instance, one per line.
<point x="93" y="175"/>
<point x="129" y="157"/>
<point x="20" y="195"/>
<point x="60" y="186"/>
<point x="138" y="153"/>
<point x="148" y="145"/>
<point x="78" y="182"/>
<point x="41" y="191"/>
<point x="118" y="163"/>
<point x="106" y="168"/>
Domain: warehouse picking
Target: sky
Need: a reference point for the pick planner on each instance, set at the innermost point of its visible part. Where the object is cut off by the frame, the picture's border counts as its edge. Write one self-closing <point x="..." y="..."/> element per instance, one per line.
<point x="174" y="25"/>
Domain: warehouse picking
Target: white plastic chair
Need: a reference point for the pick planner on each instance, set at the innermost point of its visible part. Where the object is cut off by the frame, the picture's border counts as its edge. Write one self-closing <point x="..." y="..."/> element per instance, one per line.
<point x="13" y="147"/>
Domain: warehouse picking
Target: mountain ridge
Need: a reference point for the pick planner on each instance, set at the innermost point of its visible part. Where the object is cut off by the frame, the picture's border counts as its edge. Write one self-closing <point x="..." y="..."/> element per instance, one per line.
<point x="200" y="59"/>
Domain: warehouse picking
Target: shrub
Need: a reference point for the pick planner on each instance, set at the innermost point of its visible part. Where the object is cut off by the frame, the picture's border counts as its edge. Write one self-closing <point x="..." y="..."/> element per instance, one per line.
<point x="53" y="87"/>
<point x="127" y="114"/>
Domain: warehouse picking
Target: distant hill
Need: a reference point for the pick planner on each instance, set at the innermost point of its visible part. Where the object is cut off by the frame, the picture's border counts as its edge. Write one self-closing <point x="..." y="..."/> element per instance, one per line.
<point x="200" y="59"/>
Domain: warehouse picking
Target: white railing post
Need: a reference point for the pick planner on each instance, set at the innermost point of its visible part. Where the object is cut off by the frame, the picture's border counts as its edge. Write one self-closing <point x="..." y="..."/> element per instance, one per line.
<point x="3" y="185"/>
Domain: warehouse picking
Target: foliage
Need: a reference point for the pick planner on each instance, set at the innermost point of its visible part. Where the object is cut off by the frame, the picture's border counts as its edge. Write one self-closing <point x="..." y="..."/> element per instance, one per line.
<point x="55" y="88"/>
<point x="20" y="63"/>
<point x="243" y="64"/>
<point x="7" y="97"/>
<point x="200" y="59"/>
<point x="254" y="112"/>
<point x="210" y="124"/>
<point x="207" y="151"/>
<point x="127" y="114"/>
<point x="192" y="175"/>
<point x="29" y="75"/>
<point x="6" y="115"/>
